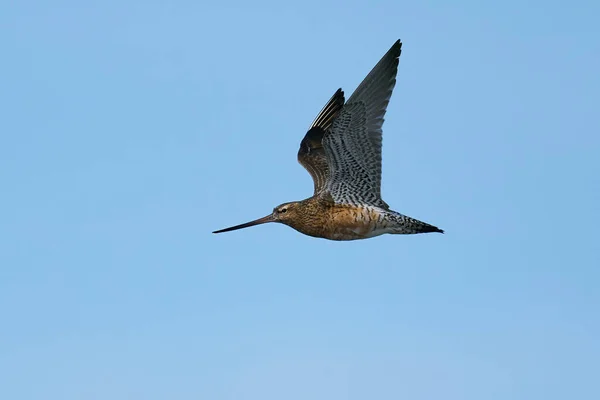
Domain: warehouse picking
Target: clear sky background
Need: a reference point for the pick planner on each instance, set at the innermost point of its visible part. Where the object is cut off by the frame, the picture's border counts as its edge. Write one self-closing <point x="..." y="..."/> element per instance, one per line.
<point x="131" y="130"/>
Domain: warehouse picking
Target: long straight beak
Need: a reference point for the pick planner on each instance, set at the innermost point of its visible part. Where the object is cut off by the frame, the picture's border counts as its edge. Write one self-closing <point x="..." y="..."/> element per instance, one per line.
<point x="263" y="220"/>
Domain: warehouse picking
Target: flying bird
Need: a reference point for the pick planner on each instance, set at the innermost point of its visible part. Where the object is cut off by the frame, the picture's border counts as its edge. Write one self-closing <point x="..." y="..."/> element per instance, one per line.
<point x="342" y="153"/>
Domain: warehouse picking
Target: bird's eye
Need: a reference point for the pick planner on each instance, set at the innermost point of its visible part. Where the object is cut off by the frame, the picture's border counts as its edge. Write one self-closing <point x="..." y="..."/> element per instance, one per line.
<point x="283" y="210"/>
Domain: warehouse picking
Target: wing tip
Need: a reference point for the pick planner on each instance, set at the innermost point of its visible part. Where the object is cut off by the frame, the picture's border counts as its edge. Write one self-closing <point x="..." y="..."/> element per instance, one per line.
<point x="329" y="111"/>
<point x="397" y="47"/>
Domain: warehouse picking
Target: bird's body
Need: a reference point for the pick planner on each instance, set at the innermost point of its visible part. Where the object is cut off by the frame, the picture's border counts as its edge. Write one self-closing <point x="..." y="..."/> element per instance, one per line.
<point x="342" y="153"/>
<point x="322" y="218"/>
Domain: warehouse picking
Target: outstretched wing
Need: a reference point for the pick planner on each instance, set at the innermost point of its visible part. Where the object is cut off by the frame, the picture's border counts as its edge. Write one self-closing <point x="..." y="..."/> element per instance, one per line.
<point x="311" y="154"/>
<point x="353" y="144"/>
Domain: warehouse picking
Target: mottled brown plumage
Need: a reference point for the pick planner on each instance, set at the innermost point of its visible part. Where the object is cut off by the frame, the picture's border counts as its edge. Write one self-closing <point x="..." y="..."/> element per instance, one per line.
<point x="342" y="153"/>
<point x="322" y="218"/>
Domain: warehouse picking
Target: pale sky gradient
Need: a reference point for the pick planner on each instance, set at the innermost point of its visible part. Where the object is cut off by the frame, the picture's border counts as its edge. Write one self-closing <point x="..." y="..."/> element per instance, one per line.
<point x="131" y="130"/>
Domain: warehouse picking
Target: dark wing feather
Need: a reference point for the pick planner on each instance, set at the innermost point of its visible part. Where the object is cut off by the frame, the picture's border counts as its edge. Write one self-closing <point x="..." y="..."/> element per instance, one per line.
<point x="311" y="154"/>
<point x="353" y="144"/>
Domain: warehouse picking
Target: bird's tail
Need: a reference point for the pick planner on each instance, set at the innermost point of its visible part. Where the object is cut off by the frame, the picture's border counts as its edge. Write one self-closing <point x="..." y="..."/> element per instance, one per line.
<point x="405" y="225"/>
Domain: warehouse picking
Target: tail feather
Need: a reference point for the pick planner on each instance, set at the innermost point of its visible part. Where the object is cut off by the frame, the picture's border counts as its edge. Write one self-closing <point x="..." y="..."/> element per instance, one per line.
<point x="405" y="225"/>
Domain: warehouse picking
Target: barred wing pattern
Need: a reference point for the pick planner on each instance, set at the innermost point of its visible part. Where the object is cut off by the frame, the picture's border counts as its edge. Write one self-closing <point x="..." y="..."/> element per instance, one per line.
<point x="311" y="153"/>
<point x="353" y="144"/>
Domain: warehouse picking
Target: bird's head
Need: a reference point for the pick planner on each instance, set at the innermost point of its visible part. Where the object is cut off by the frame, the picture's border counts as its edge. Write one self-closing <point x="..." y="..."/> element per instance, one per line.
<point x="285" y="213"/>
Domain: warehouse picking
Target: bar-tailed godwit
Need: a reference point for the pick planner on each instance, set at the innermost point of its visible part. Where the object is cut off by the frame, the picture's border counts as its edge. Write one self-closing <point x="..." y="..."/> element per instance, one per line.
<point x="342" y="153"/>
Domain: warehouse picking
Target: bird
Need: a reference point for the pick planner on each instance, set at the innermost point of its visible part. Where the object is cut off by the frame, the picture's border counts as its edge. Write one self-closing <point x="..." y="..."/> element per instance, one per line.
<point x="342" y="152"/>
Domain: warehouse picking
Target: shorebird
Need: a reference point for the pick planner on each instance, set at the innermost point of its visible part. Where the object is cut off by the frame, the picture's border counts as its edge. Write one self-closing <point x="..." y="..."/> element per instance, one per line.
<point x="342" y="153"/>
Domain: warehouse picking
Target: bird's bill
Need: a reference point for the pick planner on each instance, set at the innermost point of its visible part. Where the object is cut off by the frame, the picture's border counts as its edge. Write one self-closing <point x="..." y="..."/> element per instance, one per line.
<point x="263" y="220"/>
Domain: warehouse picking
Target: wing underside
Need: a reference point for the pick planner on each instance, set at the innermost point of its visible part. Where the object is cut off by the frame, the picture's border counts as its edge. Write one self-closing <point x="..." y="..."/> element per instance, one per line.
<point x="311" y="153"/>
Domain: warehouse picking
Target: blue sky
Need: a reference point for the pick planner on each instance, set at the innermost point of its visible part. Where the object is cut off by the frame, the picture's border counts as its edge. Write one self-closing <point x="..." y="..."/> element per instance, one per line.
<point x="131" y="130"/>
